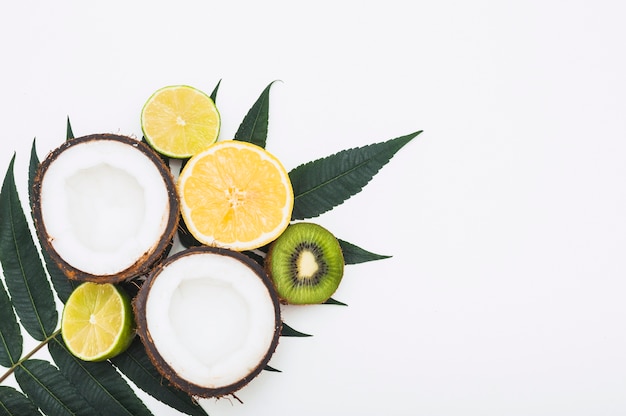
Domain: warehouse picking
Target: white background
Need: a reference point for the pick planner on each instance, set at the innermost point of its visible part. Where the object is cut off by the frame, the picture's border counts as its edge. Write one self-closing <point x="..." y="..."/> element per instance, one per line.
<point x="506" y="218"/>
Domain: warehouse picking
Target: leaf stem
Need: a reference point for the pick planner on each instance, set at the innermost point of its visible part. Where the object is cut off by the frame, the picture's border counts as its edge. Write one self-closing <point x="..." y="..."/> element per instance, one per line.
<point x="30" y="354"/>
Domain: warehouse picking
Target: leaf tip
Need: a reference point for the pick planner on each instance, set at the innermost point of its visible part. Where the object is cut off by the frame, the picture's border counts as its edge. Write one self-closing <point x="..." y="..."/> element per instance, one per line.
<point x="69" y="133"/>
<point x="413" y="135"/>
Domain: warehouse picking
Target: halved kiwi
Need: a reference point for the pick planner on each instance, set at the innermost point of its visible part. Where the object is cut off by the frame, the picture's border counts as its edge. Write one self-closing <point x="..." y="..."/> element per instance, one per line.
<point x="305" y="264"/>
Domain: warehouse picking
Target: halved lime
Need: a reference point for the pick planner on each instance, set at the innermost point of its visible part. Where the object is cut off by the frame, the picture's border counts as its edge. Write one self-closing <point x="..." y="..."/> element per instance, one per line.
<point x="179" y="121"/>
<point x="97" y="322"/>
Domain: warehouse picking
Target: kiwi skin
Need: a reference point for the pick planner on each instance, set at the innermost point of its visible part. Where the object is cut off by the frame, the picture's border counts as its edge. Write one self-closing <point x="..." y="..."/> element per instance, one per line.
<point x="305" y="263"/>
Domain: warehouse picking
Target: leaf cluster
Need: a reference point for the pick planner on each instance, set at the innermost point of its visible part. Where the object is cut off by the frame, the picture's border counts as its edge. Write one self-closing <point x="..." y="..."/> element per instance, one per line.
<point x="70" y="386"/>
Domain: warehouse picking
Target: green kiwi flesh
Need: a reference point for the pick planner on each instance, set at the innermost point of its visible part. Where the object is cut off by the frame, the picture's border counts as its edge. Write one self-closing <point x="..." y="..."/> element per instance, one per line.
<point x="305" y="264"/>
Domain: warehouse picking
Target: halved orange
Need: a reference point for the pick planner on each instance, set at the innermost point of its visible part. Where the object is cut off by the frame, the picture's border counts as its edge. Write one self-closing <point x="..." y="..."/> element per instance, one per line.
<point x="235" y="195"/>
<point x="180" y="121"/>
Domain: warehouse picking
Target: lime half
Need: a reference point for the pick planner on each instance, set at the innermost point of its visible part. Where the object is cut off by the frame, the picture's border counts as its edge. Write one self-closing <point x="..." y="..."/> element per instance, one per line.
<point x="179" y="121"/>
<point x="97" y="322"/>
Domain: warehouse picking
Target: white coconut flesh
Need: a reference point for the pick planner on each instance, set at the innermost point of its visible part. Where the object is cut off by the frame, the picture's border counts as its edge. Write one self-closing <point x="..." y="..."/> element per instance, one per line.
<point x="211" y="319"/>
<point x="104" y="204"/>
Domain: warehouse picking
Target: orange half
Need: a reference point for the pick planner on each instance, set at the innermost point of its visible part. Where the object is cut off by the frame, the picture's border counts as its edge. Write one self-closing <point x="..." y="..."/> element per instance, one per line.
<point x="235" y="195"/>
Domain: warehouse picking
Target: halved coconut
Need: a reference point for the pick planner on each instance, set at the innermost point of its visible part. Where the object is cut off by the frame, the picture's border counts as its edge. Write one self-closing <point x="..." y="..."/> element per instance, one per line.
<point x="209" y="319"/>
<point x="105" y="207"/>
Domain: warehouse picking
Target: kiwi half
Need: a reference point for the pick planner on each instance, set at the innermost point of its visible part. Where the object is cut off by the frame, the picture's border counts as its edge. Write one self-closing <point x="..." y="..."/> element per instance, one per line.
<point x="305" y="264"/>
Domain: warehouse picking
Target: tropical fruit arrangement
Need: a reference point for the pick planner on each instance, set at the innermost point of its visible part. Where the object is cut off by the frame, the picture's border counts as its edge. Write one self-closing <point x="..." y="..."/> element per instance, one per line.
<point x="172" y="257"/>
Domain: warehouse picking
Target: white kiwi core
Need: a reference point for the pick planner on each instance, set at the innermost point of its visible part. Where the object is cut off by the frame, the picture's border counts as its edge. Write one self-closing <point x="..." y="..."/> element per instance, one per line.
<point x="104" y="205"/>
<point x="307" y="265"/>
<point x="211" y="318"/>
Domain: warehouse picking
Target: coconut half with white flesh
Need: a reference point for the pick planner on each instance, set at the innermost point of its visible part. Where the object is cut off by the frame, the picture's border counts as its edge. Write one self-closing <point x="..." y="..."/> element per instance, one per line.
<point x="210" y="320"/>
<point x="105" y="207"/>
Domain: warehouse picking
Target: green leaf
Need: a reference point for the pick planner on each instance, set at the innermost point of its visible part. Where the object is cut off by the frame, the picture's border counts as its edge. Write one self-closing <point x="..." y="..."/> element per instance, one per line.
<point x="50" y="391"/>
<point x="99" y="383"/>
<point x="288" y="331"/>
<point x="214" y="92"/>
<point x="272" y="369"/>
<point x="25" y="276"/>
<point x="14" y="403"/>
<point x="69" y="135"/>
<point x="332" y="301"/>
<point x="10" y="334"/>
<point x="353" y="254"/>
<point x="322" y="184"/>
<point x="136" y="365"/>
<point x="62" y="285"/>
<point x="32" y="170"/>
<point x="185" y="237"/>
<point x="253" y="128"/>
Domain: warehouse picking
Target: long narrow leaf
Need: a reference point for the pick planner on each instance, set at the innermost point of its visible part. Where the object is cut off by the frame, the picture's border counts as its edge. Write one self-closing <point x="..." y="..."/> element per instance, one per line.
<point x="69" y="134"/>
<point x="50" y="391"/>
<point x="288" y="331"/>
<point x="99" y="383"/>
<point x="10" y="334"/>
<point x="271" y="369"/>
<point x="62" y="285"/>
<point x="354" y="254"/>
<point x="214" y="92"/>
<point x="136" y="365"/>
<point x="253" y="128"/>
<point x="323" y="184"/>
<point x="14" y="403"/>
<point x="331" y="301"/>
<point x="32" y="170"/>
<point x="25" y="276"/>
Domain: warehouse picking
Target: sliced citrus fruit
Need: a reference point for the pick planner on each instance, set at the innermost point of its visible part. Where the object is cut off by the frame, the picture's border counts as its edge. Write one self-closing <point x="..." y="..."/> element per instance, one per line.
<point x="180" y="121"/>
<point x="97" y="321"/>
<point x="235" y="195"/>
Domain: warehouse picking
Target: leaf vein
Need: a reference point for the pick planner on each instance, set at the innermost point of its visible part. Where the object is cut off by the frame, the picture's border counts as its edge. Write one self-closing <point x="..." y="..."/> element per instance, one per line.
<point x="333" y="179"/>
<point x="102" y="386"/>
<point x="46" y="389"/>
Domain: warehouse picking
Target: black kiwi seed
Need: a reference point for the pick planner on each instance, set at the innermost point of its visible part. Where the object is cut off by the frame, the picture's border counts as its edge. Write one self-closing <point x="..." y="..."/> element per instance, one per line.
<point x="305" y="263"/>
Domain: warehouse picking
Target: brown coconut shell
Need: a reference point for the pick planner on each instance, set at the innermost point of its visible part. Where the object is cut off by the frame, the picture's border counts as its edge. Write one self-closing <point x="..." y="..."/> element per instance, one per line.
<point x="139" y="307"/>
<point x="143" y="264"/>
